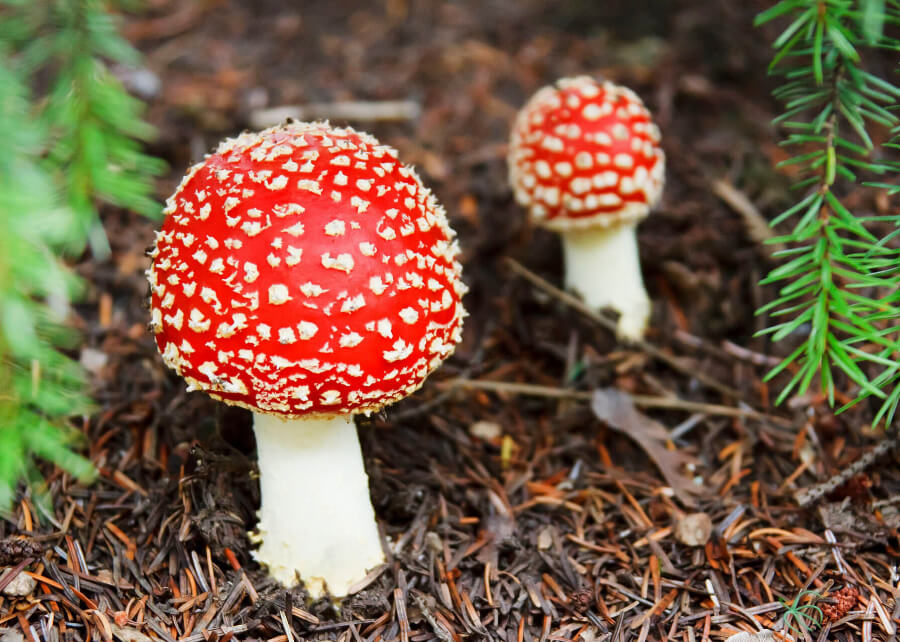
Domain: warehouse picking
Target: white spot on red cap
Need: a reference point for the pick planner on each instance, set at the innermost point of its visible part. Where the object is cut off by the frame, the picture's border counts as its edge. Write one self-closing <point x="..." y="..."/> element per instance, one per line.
<point x="312" y="289"/>
<point x="580" y="185"/>
<point x="309" y="186"/>
<point x="350" y="340"/>
<point x="230" y="203"/>
<point x="623" y="161"/>
<point x="175" y="320"/>
<point x="377" y="285"/>
<point x="385" y="328"/>
<point x="336" y="227"/>
<point x="563" y="168"/>
<point x="331" y="397"/>
<point x="294" y="254"/>
<point x="278" y="294"/>
<point x="277" y="183"/>
<point x="307" y="329"/>
<point x="343" y="262"/>
<point x="197" y="321"/>
<point x="294" y="230"/>
<point x="352" y="304"/>
<point x="283" y="210"/>
<point x="360" y="204"/>
<point x="399" y="350"/>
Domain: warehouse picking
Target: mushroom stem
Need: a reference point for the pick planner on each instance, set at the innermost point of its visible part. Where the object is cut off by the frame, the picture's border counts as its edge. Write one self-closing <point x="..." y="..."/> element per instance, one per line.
<point x="602" y="264"/>
<point x="315" y="517"/>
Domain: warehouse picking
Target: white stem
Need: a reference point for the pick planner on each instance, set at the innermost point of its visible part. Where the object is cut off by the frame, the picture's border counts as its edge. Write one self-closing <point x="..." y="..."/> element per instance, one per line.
<point x="315" y="517"/>
<point x="602" y="265"/>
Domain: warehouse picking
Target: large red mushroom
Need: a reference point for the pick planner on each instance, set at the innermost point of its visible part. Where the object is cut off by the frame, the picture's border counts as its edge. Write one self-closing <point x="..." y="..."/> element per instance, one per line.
<point x="303" y="272"/>
<point x="585" y="159"/>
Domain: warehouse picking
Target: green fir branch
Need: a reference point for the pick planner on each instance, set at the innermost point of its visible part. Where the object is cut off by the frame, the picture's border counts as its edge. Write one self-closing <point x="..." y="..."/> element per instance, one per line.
<point x="64" y="154"/>
<point x="837" y="282"/>
<point x="39" y="385"/>
<point x="94" y="125"/>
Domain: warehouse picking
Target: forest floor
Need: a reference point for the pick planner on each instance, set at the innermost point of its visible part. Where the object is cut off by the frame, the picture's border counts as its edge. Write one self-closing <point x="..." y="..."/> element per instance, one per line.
<point x="547" y="483"/>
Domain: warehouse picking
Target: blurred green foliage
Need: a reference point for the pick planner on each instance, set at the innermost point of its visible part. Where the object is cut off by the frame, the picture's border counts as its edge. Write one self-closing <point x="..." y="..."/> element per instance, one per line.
<point x="68" y="129"/>
<point x="838" y="279"/>
<point x="93" y="125"/>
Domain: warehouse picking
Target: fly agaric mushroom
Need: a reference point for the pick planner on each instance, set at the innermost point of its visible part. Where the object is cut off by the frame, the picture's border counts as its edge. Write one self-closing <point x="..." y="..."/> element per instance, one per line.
<point x="585" y="160"/>
<point x="304" y="273"/>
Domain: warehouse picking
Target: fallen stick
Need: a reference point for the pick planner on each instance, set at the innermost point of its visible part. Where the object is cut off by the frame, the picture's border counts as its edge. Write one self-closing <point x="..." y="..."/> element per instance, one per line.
<point x="809" y="495"/>
<point x="644" y="401"/>
<point x="754" y="222"/>
<point x="352" y="110"/>
<point x="642" y="345"/>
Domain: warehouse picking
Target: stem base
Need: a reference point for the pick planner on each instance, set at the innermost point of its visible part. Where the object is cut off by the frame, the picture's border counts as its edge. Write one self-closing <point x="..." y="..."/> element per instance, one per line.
<point x="603" y="266"/>
<point x="315" y="518"/>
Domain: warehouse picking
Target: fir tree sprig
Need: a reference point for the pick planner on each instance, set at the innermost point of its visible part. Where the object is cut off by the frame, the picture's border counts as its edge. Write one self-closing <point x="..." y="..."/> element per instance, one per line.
<point x="39" y="385"/>
<point x="890" y="376"/>
<point x="94" y="125"/>
<point x="837" y="279"/>
<point x="64" y="154"/>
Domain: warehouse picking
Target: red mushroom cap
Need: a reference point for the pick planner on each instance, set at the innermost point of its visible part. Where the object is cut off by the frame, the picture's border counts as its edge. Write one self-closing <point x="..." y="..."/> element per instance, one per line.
<point x="585" y="153"/>
<point x="304" y="270"/>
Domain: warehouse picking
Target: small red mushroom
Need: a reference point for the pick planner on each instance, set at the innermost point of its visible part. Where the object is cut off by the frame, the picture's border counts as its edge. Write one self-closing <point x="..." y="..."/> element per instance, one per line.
<point x="585" y="160"/>
<point x="304" y="273"/>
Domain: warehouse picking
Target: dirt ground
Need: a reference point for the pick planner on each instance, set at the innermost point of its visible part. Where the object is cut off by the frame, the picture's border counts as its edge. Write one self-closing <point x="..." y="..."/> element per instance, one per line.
<point x="536" y="508"/>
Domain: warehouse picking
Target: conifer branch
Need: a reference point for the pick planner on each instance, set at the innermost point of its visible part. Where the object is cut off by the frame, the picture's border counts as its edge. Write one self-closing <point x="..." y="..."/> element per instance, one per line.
<point x="64" y="153"/>
<point x="40" y="385"/>
<point x="837" y="280"/>
<point x="93" y="124"/>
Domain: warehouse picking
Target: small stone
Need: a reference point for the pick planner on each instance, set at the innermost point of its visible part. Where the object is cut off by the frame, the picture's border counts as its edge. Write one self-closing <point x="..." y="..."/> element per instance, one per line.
<point x="694" y="529"/>
<point x="486" y="430"/>
<point x="128" y="634"/>
<point x="11" y="635"/>
<point x="21" y="585"/>
<point x="760" y="636"/>
<point x="93" y="360"/>
<point x="545" y="538"/>
<point x="140" y="81"/>
<point x="591" y="634"/>
<point x="434" y="543"/>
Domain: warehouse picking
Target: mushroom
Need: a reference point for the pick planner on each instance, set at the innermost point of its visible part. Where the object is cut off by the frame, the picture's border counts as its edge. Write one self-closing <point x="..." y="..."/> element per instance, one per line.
<point x="305" y="274"/>
<point x="584" y="158"/>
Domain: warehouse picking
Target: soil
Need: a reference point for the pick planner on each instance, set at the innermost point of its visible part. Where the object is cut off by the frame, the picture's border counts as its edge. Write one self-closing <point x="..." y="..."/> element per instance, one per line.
<point x="599" y="491"/>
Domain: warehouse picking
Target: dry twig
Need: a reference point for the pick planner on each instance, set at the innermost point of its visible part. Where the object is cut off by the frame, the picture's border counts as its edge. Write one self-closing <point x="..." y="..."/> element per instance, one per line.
<point x="642" y="345"/>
